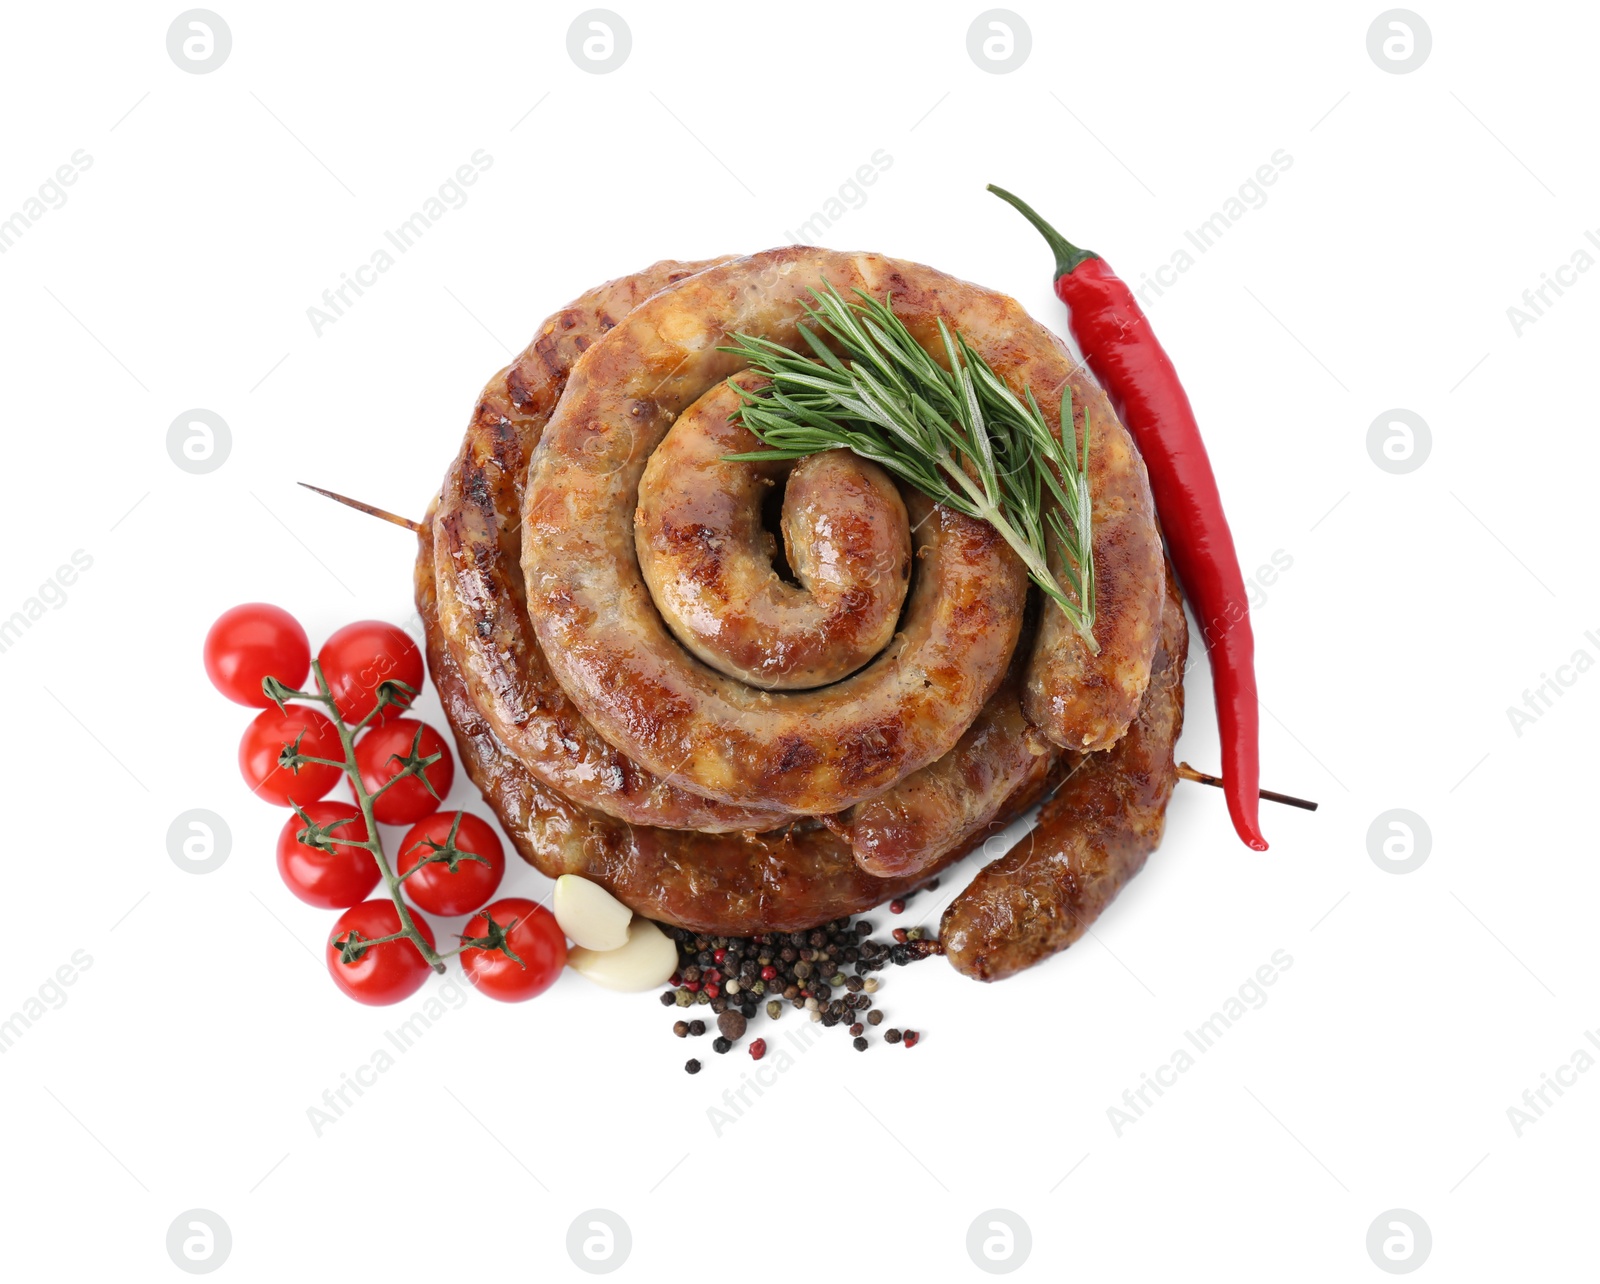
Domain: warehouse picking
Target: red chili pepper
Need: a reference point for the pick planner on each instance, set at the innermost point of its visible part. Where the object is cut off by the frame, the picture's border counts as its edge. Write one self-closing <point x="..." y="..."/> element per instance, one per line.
<point x="1128" y="360"/>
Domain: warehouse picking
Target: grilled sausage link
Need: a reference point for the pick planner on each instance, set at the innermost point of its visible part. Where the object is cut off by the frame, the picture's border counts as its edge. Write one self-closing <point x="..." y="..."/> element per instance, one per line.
<point x="480" y="597"/>
<point x="811" y="752"/>
<point x="936" y="810"/>
<point x="1092" y="837"/>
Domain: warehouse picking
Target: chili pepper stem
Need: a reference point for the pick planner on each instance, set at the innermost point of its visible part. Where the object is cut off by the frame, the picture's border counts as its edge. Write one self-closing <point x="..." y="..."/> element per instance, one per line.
<point x="1068" y="255"/>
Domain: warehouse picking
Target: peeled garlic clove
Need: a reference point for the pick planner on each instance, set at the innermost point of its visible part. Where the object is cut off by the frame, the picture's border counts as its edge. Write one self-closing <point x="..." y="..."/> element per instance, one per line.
<point x="591" y="916"/>
<point x="648" y="959"/>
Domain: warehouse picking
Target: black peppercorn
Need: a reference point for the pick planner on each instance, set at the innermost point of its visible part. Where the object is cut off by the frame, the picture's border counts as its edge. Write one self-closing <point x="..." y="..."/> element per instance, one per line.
<point x="875" y="1017"/>
<point x="697" y="1028"/>
<point x="692" y="1066"/>
<point x="859" y="1043"/>
<point x="891" y="1035"/>
<point x="721" y="1045"/>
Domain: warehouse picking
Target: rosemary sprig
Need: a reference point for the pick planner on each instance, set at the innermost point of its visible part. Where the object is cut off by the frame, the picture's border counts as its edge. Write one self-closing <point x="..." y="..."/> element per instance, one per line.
<point x="959" y="435"/>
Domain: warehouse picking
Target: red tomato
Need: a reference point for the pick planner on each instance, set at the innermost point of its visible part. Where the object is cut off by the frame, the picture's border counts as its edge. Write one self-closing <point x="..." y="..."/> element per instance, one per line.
<point x="360" y="656"/>
<point x="383" y="974"/>
<point x="378" y="755"/>
<point x="533" y="935"/>
<point x="252" y="642"/>
<point x="433" y="886"/>
<point x="329" y="880"/>
<point x="264" y="739"/>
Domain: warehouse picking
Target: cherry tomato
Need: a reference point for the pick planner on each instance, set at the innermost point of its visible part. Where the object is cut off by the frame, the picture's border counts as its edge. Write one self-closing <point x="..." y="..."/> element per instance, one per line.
<point x="378" y="755"/>
<point x="533" y="936"/>
<point x="329" y="880"/>
<point x="385" y="973"/>
<point x="264" y="739"/>
<point x="360" y="656"/>
<point x="433" y="886"/>
<point x="251" y="642"/>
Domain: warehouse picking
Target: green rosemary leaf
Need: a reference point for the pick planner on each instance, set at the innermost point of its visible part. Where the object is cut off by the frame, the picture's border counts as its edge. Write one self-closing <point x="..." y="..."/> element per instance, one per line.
<point x="959" y="435"/>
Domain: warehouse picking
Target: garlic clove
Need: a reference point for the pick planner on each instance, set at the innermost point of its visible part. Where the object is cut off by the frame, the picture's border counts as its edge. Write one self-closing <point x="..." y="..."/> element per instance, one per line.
<point x="591" y="916"/>
<point x="647" y="960"/>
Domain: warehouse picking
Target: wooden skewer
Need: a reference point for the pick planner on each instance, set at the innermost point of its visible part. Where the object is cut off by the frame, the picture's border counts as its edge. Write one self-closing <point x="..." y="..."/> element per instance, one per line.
<point x="1186" y="772"/>
<point x="356" y="504"/>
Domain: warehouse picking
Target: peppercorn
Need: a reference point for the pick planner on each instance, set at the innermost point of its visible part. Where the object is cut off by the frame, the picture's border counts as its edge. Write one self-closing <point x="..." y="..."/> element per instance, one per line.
<point x="775" y="1008"/>
<point x="721" y="1045"/>
<point x="668" y="998"/>
<point x="733" y="986"/>
<point x="681" y="1029"/>
<point x="702" y="997"/>
<point x="915" y="934"/>
<point x="719" y="1005"/>
<point x="853" y="984"/>
<point x="870" y="985"/>
<point x="749" y="1008"/>
<point x="682" y="998"/>
<point x="697" y="1028"/>
<point x="891" y="1035"/>
<point x="732" y="1024"/>
<point x="859" y="1043"/>
<point x="802" y="970"/>
<point x="769" y="973"/>
<point x="829" y="1019"/>
<point x="899" y="934"/>
<point x="692" y="1066"/>
<point x="911" y="1037"/>
<point x="857" y="1029"/>
<point x="836" y="980"/>
<point x="758" y="1049"/>
<point x="875" y="1017"/>
<point x="897" y="906"/>
<point x="791" y="991"/>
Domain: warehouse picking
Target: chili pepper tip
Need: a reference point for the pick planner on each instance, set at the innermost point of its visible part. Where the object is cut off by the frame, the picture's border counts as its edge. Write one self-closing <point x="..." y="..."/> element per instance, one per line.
<point x="1068" y="255"/>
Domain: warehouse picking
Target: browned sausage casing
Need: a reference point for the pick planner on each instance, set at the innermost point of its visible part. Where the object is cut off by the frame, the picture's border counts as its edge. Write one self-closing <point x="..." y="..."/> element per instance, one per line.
<point x="1093" y="835"/>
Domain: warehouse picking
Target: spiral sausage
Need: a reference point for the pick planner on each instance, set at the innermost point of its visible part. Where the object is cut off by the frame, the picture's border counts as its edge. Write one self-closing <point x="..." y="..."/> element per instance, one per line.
<point x="811" y="752"/>
<point x="817" y="747"/>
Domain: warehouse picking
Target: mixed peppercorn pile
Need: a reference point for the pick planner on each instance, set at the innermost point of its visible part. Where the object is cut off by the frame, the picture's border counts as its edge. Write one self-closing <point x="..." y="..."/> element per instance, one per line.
<point x="826" y="971"/>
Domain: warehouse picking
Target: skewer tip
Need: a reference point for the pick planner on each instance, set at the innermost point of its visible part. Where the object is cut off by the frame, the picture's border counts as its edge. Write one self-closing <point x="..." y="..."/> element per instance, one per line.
<point x="370" y="509"/>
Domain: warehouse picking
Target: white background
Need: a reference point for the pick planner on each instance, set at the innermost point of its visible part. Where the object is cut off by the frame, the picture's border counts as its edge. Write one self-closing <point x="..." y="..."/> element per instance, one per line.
<point x="1418" y="1008"/>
